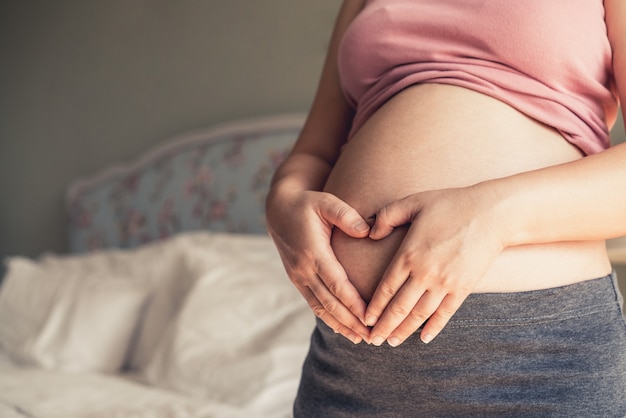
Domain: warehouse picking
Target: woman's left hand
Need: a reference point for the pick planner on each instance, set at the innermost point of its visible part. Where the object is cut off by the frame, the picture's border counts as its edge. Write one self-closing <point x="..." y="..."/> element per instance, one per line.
<point x="451" y="243"/>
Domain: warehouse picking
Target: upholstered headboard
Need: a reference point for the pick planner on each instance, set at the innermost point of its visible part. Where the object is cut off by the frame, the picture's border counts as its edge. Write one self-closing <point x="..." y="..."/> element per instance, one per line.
<point x="214" y="179"/>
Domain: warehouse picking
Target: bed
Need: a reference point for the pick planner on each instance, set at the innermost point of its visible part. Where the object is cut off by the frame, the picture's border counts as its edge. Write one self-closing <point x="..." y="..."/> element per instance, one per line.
<point x="172" y="302"/>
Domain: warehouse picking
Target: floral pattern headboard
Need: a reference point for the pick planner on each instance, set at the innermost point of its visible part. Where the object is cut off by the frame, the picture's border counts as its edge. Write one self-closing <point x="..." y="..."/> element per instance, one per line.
<point x="215" y="179"/>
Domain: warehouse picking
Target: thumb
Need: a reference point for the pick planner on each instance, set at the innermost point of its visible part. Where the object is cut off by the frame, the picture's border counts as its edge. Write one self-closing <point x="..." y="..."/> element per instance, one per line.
<point x="343" y="216"/>
<point x="393" y="215"/>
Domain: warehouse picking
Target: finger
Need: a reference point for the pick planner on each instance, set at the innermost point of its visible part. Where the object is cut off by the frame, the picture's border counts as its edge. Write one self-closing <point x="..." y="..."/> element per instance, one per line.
<point x="397" y="274"/>
<point x="332" y="322"/>
<point x="337" y="294"/>
<point x="334" y="277"/>
<point x="411" y="306"/>
<point x="393" y="215"/>
<point x="343" y="216"/>
<point x="337" y="310"/>
<point x="441" y="317"/>
<point x="421" y="312"/>
<point x="329" y="305"/>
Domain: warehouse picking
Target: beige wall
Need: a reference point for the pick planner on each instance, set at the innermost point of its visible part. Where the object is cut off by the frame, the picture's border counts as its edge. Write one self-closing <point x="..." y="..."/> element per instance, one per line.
<point x="84" y="84"/>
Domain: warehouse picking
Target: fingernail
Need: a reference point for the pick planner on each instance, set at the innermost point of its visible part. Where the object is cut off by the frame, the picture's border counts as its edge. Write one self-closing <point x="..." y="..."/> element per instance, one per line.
<point x="426" y="338"/>
<point x="361" y="226"/>
<point x="394" y="341"/>
<point x="378" y="340"/>
<point x="370" y="320"/>
<point x="357" y="340"/>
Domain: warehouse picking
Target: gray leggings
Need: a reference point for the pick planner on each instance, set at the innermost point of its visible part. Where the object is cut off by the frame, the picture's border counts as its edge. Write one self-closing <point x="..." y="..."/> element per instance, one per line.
<point x="554" y="352"/>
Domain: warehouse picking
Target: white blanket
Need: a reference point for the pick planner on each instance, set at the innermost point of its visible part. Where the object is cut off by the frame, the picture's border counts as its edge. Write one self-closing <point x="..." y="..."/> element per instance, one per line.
<point x="232" y="347"/>
<point x="33" y="392"/>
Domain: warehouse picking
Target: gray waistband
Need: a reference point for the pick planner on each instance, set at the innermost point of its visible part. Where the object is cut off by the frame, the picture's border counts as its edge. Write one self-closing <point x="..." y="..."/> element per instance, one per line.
<point x="577" y="299"/>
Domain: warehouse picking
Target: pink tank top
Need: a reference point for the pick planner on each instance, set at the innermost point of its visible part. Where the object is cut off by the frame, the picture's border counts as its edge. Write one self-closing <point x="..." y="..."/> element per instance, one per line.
<point x="550" y="59"/>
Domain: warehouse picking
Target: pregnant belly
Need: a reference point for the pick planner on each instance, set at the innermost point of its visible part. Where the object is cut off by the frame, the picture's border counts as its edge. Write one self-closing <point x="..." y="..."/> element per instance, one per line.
<point x="436" y="136"/>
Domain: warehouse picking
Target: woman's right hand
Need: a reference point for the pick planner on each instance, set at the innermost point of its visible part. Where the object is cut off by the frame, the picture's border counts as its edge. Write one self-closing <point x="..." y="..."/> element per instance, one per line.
<point x="301" y="222"/>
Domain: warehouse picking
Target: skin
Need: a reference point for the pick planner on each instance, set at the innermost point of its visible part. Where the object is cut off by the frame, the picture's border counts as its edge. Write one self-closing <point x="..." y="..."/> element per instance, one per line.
<point x="423" y="269"/>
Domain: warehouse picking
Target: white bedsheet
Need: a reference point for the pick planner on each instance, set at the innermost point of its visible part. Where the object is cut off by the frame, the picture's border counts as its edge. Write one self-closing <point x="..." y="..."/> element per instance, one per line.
<point x="234" y="348"/>
<point x="34" y="392"/>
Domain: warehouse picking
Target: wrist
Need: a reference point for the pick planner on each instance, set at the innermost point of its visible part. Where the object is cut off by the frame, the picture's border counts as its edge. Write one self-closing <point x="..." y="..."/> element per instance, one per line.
<point x="494" y="203"/>
<point x="279" y="194"/>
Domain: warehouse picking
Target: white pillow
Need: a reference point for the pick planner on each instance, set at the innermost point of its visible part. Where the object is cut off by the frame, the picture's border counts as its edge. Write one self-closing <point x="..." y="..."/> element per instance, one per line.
<point x="67" y="320"/>
<point x="243" y="326"/>
<point x="158" y="267"/>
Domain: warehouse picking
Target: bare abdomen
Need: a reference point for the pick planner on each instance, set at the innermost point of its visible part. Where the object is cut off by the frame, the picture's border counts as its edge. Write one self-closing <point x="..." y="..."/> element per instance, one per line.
<point x="437" y="136"/>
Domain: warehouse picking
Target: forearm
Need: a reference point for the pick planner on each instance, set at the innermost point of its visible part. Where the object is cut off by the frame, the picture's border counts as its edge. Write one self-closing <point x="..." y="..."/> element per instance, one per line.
<point x="301" y="171"/>
<point x="580" y="200"/>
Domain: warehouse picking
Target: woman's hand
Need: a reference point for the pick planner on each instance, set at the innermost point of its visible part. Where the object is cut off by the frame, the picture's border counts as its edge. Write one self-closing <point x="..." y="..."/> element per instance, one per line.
<point x="452" y="242"/>
<point x="300" y="223"/>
